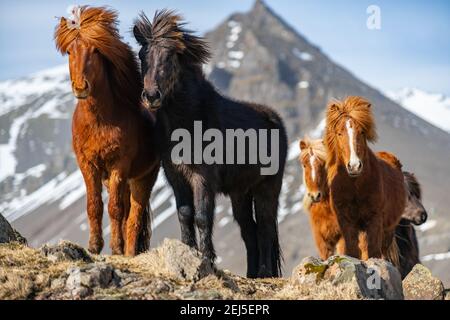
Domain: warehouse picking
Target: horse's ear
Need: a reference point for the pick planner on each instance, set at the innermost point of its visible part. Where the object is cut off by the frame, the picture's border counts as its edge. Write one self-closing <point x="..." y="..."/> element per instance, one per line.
<point x="333" y="106"/>
<point x="62" y="21"/>
<point x="302" y="145"/>
<point x="139" y="36"/>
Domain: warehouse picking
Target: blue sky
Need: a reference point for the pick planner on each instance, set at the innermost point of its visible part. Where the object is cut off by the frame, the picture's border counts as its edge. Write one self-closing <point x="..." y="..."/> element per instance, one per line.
<point x="412" y="49"/>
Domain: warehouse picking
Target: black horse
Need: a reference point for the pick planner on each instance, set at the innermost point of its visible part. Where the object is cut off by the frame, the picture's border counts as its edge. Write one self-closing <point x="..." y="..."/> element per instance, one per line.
<point x="176" y="89"/>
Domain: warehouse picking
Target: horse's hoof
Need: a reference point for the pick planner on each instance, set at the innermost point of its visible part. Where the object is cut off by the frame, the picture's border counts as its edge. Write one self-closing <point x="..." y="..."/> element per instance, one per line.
<point x="117" y="251"/>
<point x="130" y="253"/>
<point x="264" y="273"/>
<point x="96" y="246"/>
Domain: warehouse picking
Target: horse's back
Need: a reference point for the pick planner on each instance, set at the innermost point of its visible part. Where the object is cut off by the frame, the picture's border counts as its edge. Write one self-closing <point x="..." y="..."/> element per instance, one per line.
<point x="390" y="159"/>
<point x="233" y="114"/>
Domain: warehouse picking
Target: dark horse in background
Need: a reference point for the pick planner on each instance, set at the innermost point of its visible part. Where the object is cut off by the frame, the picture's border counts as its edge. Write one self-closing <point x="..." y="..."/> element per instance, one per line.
<point x="176" y="88"/>
<point x="113" y="134"/>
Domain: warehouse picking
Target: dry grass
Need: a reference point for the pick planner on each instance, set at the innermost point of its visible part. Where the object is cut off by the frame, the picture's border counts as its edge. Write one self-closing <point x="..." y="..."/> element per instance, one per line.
<point x="24" y="271"/>
<point x="27" y="274"/>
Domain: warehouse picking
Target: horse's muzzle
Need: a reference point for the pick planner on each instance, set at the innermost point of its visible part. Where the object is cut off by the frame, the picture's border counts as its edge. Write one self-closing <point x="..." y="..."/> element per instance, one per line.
<point x="151" y="102"/>
<point x="420" y="218"/>
<point x="315" y="196"/>
<point x="355" y="170"/>
<point x="81" y="92"/>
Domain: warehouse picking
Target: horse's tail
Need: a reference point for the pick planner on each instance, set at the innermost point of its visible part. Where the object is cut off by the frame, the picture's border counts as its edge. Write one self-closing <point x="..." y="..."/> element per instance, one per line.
<point x="278" y="254"/>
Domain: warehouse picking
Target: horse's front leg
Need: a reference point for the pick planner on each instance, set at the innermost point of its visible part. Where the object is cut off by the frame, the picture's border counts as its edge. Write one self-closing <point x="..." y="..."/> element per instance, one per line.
<point x="204" y="203"/>
<point x="185" y="205"/>
<point x="350" y="233"/>
<point x="93" y="180"/>
<point x="140" y="197"/>
<point x="117" y="185"/>
<point x="370" y="239"/>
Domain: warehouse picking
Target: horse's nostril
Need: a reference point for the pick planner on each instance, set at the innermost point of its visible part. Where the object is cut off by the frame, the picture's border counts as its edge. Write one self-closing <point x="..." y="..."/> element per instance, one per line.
<point x="359" y="165"/>
<point x="424" y="216"/>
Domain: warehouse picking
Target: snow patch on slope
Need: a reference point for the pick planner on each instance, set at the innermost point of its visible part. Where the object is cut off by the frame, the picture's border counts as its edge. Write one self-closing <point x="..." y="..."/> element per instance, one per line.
<point x="14" y="93"/>
<point x="434" y="108"/>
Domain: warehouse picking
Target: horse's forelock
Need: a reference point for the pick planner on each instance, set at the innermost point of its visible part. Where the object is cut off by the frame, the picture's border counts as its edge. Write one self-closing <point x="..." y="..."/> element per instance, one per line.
<point x="168" y="30"/>
<point x="356" y="108"/>
<point x="315" y="147"/>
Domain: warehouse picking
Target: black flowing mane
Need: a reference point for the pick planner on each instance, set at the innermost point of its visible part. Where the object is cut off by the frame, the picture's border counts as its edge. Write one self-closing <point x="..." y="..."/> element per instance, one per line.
<point x="167" y="30"/>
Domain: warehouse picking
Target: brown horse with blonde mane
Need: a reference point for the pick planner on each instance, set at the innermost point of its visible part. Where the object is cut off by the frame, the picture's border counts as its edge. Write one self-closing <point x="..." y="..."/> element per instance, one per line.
<point x="366" y="193"/>
<point x="324" y="224"/>
<point x="113" y="135"/>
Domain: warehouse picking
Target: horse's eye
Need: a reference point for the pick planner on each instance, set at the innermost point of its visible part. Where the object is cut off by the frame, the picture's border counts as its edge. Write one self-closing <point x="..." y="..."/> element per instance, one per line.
<point x="68" y="52"/>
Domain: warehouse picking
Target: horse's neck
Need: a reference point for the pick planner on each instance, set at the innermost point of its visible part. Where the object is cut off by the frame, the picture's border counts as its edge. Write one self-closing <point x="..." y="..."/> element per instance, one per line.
<point x="191" y="92"/>
<point x="187" y="102"/>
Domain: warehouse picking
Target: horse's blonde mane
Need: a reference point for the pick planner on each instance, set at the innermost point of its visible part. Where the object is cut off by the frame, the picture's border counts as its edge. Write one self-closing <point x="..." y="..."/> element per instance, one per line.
<point x="356" y="108"/>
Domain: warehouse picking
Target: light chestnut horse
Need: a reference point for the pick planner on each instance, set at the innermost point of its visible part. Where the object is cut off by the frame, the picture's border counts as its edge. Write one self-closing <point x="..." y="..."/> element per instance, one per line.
<point x="366" y="193"/>
<point x="316" y="201"/>
<point x="113" y="135"/>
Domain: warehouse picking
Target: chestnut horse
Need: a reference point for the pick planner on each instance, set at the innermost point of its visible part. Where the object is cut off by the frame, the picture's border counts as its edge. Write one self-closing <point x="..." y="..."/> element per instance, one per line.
<point x="327" y="234"/>
<point x="366" y="193"/>
<point x="113" y="135"/>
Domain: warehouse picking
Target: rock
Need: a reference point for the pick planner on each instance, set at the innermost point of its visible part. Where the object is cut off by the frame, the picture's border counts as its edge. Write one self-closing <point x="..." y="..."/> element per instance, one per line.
<point x="65" y="251"/>
<point x="8" y="234"/>
<point x="176" y="260"/>
<point x="81" y="282"/>
<point x="447" y="295"/>
<point x="372" y="279"/>
<point x="420" y="284"/>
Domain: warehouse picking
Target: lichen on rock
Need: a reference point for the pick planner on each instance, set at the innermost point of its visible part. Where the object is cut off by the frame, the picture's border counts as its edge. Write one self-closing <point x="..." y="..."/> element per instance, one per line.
<point x="420" y="284"/>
